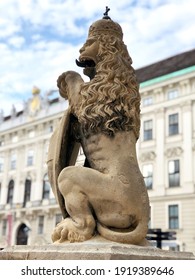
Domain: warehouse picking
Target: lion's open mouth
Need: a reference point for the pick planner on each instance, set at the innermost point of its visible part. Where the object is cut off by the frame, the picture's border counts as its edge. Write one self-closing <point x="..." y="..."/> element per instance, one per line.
<point x="89" y="66"/>
<point x="85" y="63"/>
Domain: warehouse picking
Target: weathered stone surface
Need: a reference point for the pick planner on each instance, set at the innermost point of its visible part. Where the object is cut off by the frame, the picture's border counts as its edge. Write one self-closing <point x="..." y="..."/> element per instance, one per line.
<point x="91" y="250"/>
<point x="110" y="197"/>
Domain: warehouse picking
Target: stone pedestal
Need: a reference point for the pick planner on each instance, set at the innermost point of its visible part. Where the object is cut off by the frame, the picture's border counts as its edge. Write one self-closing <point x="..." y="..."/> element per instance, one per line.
<point x="90" y="250"/>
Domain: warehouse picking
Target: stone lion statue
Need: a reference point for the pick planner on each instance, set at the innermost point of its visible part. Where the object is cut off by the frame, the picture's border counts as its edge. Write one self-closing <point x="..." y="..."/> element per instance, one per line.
<point x="107" y="196"/>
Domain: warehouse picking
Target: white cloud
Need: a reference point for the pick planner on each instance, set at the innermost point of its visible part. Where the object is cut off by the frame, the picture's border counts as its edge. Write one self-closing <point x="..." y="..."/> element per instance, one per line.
<point x="16" y="41"/>
<point x="8" y="28"/>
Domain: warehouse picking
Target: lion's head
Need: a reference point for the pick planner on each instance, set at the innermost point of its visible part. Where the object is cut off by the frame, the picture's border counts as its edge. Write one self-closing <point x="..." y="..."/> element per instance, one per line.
<point x="111" y="100"/>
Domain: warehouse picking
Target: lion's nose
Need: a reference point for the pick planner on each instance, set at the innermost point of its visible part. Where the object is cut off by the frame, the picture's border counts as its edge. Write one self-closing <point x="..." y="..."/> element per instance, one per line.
<point x="82" y="49"/>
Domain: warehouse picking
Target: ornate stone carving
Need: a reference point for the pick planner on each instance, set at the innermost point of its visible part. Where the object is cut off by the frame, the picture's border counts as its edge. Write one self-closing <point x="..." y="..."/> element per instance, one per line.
<point x="107" y="196"/>
<point x="148" y="156"/>
<point x="173" y="152"/>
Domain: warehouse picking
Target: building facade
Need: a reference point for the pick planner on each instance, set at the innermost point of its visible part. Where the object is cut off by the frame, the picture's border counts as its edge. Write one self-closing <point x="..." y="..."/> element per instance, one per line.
<point x="166" y="155"/>
<point x="167" y="145"/>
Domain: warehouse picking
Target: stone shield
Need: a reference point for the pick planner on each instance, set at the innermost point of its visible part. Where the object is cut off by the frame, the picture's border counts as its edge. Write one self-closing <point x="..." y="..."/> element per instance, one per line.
<point x="63" y="151"/>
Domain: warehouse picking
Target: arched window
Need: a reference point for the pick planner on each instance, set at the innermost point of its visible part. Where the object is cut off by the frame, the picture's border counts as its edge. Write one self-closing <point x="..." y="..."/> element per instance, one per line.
<point x="10" y="193"/>
<point x="27" y="191"/>
<point x="46" y="187"/>
<point x="22" y="235"/>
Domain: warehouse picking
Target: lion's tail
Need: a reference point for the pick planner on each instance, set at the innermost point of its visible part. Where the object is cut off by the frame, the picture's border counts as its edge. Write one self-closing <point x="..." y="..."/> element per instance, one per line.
<point x="135" y="237"/>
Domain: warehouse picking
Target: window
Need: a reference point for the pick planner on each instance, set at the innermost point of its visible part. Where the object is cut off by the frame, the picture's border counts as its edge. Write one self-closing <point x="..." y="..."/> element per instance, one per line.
<point x="1" y="163"/>
<point x="4" y="227"/>
<point x="40" y="224"/>
<point x="10" y="193"/>
<point x="172" y="94"/>
<point x="13" y="162"/>
<point x="58" y="219"/>
<point x="148" y="101"/>
<point x="46" y="187"/>
<point x="148" y="175"/>
<point x="2" y="143"/>
<point x="173" y="124"/>
<point x="173" y="216"/>
<point x="27" y="192"/>
<point x="31" y="133"/>
<point x="30" y="158"/>
<point x="174" y="173"/>
<point x="50" y="128"/>
<point x="15" y="139"/>
<point x="147" y="130"/>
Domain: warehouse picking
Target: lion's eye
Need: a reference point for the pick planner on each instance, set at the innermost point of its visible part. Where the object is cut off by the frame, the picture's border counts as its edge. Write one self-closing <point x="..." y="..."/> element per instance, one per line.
<point x="90" y="42"/>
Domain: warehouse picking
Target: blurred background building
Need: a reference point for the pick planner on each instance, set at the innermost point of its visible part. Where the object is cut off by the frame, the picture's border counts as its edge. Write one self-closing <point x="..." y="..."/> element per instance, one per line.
<point x="166" y="155"/>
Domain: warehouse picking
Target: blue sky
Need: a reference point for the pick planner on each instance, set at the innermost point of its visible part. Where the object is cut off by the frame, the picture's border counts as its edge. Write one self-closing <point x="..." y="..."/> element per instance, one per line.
<point x="40" y="39"/>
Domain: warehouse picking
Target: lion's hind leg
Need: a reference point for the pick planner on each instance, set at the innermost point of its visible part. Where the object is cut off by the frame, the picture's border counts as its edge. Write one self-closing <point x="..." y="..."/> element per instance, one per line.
<point x="80" y="224"/>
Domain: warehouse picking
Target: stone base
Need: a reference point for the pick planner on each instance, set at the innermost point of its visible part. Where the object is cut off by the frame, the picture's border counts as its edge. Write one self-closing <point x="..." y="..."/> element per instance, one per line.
<point x="97" y="249"/>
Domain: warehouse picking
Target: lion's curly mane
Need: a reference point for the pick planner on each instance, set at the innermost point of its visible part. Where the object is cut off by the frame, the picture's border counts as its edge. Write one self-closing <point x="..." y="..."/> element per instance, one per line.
<point x="111" y="100"/>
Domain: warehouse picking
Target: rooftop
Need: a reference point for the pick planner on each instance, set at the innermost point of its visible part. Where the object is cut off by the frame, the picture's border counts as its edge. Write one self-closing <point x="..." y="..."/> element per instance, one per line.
<point x="166" y="66"/>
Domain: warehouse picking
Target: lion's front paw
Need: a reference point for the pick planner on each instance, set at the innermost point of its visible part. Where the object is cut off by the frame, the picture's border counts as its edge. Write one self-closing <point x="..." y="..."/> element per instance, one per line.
<point x="67" y="79"/>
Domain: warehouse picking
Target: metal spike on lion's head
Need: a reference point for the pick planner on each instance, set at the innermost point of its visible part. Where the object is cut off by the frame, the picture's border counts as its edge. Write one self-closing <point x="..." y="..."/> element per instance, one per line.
<point x="105" y="26"/>
<point x="106" y="13"/>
